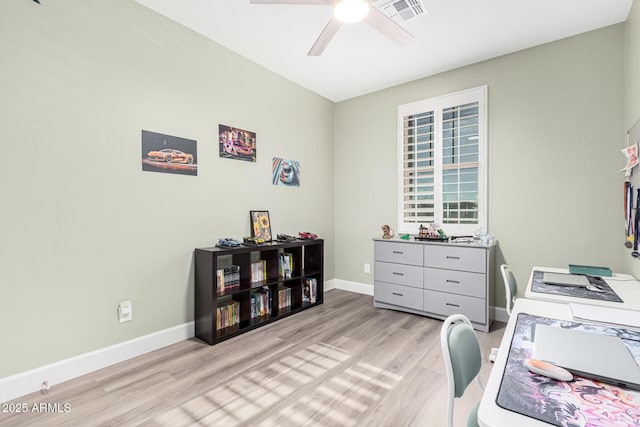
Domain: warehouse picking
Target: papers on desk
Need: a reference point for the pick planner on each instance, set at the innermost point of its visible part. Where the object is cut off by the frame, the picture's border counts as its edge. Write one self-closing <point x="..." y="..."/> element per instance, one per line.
<point x="605" y="315"/>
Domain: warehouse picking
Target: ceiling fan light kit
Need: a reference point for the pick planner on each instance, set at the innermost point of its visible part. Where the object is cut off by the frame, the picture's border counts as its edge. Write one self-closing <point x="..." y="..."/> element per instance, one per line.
<point x="350" y="11"/>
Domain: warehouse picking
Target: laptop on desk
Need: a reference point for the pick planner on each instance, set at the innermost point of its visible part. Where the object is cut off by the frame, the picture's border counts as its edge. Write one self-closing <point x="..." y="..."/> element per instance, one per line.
<point x="562" y="279"/>
<point x="591" y="355"/>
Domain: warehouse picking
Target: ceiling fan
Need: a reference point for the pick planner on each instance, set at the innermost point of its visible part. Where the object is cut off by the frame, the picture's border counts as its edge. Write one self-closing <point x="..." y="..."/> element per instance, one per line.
<point x="346" y="12"/>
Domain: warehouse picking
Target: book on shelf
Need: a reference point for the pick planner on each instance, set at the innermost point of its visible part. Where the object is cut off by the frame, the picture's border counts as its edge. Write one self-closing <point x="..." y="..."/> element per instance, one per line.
<point x="285" y="265"/>
<point x="284" y="298"/>
<point x="310" y="290"/>
<point x="258" y="271"/>
<point x="227" y="314"/>
<point x="261" y="302"/>
<point x="306" y="291"/>
<point x="228" y="277"/>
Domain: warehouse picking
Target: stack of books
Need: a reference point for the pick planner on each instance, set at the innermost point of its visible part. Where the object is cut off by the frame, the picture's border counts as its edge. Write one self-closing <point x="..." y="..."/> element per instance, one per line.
<point x="258" y="271"/>
<point x="227" y="314"/>
<point x="228" y="277"/>
<point x="261" y="302"/>
<point x="284" y="298"/>
<point x="310" y="290"/>
<point x="285" y="265"/>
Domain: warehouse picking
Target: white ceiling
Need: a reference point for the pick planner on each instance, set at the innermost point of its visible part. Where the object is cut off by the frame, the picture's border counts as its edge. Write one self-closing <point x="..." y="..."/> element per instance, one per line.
<point x="360" y="60"/>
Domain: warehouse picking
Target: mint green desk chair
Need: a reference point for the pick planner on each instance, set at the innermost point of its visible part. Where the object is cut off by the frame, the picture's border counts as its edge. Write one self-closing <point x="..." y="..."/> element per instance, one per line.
<point x="510" y="289"/>
<point x="462" y="360"/>
<point x="510" y="286"/>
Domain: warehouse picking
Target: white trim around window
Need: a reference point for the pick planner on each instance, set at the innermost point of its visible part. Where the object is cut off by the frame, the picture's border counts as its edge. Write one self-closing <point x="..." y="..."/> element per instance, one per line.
<point x="442" y="163"/>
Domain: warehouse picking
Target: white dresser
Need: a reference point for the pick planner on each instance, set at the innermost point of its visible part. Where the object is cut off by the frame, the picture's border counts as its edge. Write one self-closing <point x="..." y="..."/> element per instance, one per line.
<point x="435" y="279"/>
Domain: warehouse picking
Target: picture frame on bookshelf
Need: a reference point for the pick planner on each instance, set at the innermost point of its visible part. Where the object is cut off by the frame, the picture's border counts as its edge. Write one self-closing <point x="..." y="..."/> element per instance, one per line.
<point x="260" y="225"/>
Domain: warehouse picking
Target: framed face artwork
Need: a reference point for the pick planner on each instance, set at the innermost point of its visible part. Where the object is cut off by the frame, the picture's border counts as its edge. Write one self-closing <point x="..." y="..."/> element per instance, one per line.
<point x="260" y="225"/>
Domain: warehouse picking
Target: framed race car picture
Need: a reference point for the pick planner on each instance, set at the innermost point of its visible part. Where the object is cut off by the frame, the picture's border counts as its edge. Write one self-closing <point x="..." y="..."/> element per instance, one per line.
<point x="260" y="225"/>
<point x="285" y="172"/>
<point x="169" y="154"/>
<point x="237" y="143"/>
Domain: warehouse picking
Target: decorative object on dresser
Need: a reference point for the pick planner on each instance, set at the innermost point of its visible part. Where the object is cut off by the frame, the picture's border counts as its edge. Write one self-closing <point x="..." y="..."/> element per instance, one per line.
<point x="387" y="232"/>
<point x="432" y="232"/>
<point x="242" y="288"/>
<point x="435" y="279"/>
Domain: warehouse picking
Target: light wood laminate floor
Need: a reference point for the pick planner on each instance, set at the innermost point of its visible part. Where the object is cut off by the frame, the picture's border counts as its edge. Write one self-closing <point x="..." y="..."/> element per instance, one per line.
<point x="344" y="363"/>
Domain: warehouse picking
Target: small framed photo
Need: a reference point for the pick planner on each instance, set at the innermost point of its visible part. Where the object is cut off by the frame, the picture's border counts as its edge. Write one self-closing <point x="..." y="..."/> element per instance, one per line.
<point x="260" y="225"/>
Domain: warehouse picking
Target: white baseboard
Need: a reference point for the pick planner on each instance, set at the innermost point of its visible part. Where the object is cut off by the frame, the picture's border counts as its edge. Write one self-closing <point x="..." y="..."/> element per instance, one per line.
<point x="500" y="314"/>
<point x="28" y="382"/>
<point x="330" y="284"/>
<point x="357" y="287"/>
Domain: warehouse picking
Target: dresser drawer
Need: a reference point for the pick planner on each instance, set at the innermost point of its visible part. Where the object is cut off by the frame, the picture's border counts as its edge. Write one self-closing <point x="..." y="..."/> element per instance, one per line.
<point x="452" y="258"/>
<point x="401" y="274"/>
<point x="446" y="304"/>
<point x="402" y="253"/>
<point x="402" y="296"/>
<point x="456" y="282"/>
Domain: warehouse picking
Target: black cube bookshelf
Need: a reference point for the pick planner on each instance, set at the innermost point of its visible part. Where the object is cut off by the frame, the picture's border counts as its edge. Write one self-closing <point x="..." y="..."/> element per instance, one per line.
<point x="276" y="280"/>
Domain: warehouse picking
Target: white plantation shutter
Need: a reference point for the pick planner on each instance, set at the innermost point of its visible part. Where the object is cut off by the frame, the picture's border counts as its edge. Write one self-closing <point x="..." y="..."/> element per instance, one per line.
<point x="442" y="166"/>
<point x="418" y="161"/>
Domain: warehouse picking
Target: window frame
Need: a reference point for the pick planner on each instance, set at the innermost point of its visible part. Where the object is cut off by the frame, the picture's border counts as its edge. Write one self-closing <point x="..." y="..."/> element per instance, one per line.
<point x="438" y="104"/>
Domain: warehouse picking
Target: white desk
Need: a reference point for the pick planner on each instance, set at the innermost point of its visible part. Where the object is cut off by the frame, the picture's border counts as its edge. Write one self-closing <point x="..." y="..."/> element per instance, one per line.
<point x="625" y="285"/>
<point x="489" y="413"/>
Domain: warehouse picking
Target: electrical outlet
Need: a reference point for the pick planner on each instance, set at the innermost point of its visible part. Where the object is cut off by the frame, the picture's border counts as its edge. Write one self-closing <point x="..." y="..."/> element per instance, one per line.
<point x="125" y="311"/>
<point x="367" y="267"/>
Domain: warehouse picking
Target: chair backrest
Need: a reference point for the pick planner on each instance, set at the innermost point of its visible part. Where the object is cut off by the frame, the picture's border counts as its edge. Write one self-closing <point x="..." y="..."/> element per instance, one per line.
<point x="510" y="286"/>
<point x="462" y="357"/>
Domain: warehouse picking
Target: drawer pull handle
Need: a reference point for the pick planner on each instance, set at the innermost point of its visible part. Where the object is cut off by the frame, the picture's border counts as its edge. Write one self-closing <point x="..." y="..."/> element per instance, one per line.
<point x="452" y="257"/>
<point x="397" y="294"/>
<point x="453" y="305"/>
<point x="453" y="281"/>
<point x="398" y="274"/>
<point x="398" y="252"/>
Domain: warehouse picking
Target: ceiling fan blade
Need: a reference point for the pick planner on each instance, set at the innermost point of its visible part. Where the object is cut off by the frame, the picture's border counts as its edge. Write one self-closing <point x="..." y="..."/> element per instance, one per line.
<point x="325" y="37"/>
<point x="388" y="27"/>
<point x="321" y="2"/>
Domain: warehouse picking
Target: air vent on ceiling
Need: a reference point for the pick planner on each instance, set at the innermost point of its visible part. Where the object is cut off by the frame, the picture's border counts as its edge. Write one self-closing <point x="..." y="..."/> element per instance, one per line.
<point x="403" y="10"/>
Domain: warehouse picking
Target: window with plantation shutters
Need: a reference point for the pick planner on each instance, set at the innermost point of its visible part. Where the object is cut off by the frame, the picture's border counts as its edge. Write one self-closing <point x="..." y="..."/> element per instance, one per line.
<point x="442" y="163"/>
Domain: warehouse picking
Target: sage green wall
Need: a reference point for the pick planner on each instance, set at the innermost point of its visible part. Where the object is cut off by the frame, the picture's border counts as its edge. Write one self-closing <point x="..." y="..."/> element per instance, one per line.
<point x="632" y="97"/>
<point x="556" y="125"/>
<point x="633" y="65"/>
<point x="83" y="226"/>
